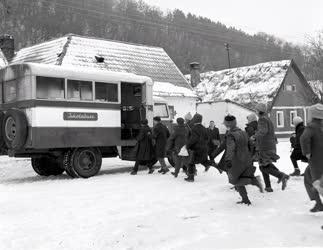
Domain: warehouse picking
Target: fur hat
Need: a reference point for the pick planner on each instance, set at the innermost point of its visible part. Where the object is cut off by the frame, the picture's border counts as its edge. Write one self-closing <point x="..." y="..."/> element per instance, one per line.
<point x="197" y="118"/>
<point x="188" y="116"/>
<point x="180" y="121"/>
<point x="297" y="120"/>
<point x="157" y="119"/>
<point x="252" y="117"/>
<point x="316" y="112"/>
<point x="261" y="107"/>
<point x="230" y="121"/>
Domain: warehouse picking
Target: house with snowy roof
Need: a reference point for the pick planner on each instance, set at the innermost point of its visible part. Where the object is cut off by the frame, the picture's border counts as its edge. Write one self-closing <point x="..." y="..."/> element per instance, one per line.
<point x="279" y="84"/>
<point x="117" y="56"/>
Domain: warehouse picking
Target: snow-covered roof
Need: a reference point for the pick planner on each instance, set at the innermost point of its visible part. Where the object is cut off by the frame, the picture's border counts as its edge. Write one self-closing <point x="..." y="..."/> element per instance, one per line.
<point x="167" y="89"/>
<point x="317" y="87"/>
<point x="80" y="51"/>
<point x="3" y="60"/>
<point x="245" y="85"/>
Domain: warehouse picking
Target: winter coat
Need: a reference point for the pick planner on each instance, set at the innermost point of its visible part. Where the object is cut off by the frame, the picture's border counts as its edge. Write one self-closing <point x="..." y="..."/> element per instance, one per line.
<point x="237" y="153"/>
<point x="265" y="135"/>
<point x="312" y="144"/>
<point x="251" y="128"/>
<point x="145" y="149"/>
<point x="160" y="135"/>
<point x="198" y="143"/>
<point x="178" y="138"/>
<point x="296" y="141"/>
<point x="214" y="135"/>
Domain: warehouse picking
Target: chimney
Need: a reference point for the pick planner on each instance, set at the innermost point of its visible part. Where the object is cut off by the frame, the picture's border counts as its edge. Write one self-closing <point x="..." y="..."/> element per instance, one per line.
<point x="7" y="46"/>
<point x="195" y="74"/>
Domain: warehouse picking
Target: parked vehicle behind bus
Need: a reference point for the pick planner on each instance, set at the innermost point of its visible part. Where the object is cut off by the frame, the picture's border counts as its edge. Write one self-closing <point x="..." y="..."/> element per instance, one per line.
<point x="68" y="119"/>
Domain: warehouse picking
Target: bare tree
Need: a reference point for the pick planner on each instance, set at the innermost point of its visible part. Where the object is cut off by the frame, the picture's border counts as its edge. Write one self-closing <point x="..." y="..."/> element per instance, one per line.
<point x="314" y="57"/>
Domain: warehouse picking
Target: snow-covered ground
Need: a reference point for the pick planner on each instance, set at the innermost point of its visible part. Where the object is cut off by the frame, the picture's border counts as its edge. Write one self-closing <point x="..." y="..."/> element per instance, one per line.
<point x="119" y="211"/>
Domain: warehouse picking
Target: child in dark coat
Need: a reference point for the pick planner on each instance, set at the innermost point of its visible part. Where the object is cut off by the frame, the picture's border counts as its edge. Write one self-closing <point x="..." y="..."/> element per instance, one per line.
<point x="160" y="135"/>
<point x="176" y="142"/>
<point x="297" y="154"/>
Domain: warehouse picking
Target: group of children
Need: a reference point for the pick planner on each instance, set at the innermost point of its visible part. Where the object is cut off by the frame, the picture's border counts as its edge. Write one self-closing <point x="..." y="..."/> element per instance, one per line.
<point x="190" y="143"/>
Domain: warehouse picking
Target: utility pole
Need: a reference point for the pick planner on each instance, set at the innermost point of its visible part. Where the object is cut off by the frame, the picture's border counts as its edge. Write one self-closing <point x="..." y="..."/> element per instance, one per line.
<point x="227" y="47"/>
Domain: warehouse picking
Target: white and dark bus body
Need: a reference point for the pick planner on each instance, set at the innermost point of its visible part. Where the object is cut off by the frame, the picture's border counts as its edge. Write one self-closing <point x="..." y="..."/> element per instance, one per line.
<point x="69" y="118"/>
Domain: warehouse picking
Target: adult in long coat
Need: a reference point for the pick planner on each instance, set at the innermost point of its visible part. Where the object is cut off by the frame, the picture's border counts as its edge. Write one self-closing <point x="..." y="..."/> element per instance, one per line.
<point x="214" y="140"/>
<point x="145" y="154"/>
<point x="160" y="135"/>
<point x="238" y="161"/>
<point x="312" y="148"/>
<point x="197" y="144"/>
<point x="266" y="144"/>
<point x="297" y="154"/>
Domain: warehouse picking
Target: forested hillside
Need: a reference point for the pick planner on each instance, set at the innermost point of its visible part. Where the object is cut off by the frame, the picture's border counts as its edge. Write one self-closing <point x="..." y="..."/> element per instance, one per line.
<point x="186" y="38"/>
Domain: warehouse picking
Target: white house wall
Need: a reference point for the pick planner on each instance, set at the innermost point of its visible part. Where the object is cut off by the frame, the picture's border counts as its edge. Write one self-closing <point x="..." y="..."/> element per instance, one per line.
<point x="182" y="105"/>
<point x="217" y="111"/>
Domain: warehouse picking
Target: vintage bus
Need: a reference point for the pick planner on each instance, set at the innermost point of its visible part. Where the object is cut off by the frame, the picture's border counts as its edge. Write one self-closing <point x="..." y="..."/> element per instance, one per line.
<point x="68" y="118"/>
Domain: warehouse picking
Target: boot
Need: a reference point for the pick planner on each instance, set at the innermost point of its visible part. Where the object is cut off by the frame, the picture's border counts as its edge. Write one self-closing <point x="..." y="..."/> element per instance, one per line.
<point x="283" y="180"/>
<point x="244" y="195"/>
<point x="269" y="190"/>
<point x="133" y="172"/>
<point x="160" y="171"/>
<point x="317" y="208"/>
<point x="258" y="183"/>
<point x="190" y="178"/>
<point x="165" y="171"/>
<point x="151" y="171"/>
<point x="175" y="174"/>
<point x="297" y="172"/>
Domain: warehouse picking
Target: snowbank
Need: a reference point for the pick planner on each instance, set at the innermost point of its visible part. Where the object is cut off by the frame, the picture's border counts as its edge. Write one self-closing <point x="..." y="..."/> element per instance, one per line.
<point x="157" y="212"/>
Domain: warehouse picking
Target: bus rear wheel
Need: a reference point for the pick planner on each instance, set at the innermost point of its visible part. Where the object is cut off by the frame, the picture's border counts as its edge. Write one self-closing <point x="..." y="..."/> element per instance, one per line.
<point x="86" y="162"/>
<point x="46" y="166"/>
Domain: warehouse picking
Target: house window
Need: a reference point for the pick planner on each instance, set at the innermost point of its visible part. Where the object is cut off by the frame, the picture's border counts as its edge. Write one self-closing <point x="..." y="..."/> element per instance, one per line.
<point x="106" y="92"/>
<point x="290" y="87"/>
<point x="280" y="119"/>
<point x="293" y="114"/>
<point x="79" y="90"/>
<point x="50" y="88"/>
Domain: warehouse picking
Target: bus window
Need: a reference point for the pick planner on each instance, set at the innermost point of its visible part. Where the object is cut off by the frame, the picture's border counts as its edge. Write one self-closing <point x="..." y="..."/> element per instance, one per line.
<point x="10" y="91"/>
<point x="79" y="90"/>
<point x="106" y="92"/>
<point x="160" y="109"/>
<point x="50" y="88"/>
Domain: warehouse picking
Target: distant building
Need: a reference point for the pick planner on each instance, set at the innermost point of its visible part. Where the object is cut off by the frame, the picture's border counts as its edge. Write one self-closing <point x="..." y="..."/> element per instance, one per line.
<point x="216" y="111"/>
<point x="281" y="85"/>
<point x="89" y="52"/>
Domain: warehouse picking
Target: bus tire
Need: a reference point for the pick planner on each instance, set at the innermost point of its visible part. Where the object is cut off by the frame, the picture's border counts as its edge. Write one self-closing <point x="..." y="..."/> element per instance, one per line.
<point x="86" y="162"/>
<point x="2" y="142"/>
<point x="40" y="166"/>
<point x="67" y="164"/>
<point x="15" y="129"/>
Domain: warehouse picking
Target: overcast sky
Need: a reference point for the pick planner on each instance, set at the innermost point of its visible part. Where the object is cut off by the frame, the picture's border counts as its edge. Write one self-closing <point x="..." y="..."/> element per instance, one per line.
<point x="292" y="20"/>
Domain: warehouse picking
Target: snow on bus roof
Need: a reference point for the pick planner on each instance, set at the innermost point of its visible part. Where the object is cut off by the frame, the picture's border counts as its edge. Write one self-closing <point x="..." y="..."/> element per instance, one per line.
<point x="245" y="85"/>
